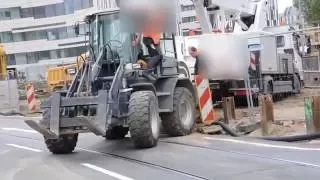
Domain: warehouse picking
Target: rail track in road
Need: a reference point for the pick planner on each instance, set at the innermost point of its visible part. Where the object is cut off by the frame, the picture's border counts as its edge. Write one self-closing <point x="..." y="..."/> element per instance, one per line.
<point x="195" y="157"/>
<point x="140" y="162"/>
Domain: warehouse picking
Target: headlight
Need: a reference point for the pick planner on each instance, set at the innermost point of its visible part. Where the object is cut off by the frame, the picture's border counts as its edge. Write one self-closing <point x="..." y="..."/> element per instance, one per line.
<point x="136" y="66"/>
<point x="131" y="66"/>
<point x="71" y="71"/>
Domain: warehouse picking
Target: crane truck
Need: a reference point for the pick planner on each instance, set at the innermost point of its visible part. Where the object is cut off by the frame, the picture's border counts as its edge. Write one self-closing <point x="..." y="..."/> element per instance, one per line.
<point x="274" y="66"/>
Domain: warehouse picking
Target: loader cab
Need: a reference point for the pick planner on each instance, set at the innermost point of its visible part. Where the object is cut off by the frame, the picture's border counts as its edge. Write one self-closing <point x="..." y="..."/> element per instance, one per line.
<point x="105" y="35"/>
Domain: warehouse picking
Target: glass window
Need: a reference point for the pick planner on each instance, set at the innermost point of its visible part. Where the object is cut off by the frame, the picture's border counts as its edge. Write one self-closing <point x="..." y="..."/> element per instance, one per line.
<point x="5" y="37"/>
<point x="18" y="37"/>
<point x="53" y="34"/>
<point x="91" y="3"/>
<point x="5" y="14"/>
<point x="32" y="57"/>
<point x="15" y="13"/>
<point x="43" y="55"/>
<point x="27" y="12"/>
<point x="310" y="63"/>
<point x="85" y="4"/>
<point x="41" y="35"/>
<point x="69" y="6"/>
<point x="30" y="35"/>
<point x="64" y="53"/>
<point x="70" y="32"/>
<point x="54" y="54"/>
<point x="78" y="4"/>
<point x="62" y="33"/>
<point x="60" y="9"/>
<point x="280" y="41"/>
<point x="11" y="59"/>
<point x="82" y="28"/>
<point x="188" y="19"/>
<point x="39" y="12"/>
<point x="50" y="10"/>
<point x="20" y="58"/>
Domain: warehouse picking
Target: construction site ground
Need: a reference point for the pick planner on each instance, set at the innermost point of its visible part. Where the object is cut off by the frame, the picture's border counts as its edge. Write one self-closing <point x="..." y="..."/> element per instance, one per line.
<point x="289" y="116"/>
<point x="288" y="112"/>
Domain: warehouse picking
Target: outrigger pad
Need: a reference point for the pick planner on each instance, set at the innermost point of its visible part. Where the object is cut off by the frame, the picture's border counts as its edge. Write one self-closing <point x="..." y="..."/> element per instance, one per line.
<point x="42" y="130"/>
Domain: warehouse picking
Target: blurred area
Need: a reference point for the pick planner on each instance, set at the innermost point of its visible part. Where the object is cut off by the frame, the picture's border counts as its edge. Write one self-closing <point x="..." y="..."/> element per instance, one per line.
<point x="149" y="15"/>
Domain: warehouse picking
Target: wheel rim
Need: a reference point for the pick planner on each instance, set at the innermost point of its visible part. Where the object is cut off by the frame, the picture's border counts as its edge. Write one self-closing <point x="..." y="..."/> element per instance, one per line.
<point x="185" y="113"/>
<point x="154" y="121"/>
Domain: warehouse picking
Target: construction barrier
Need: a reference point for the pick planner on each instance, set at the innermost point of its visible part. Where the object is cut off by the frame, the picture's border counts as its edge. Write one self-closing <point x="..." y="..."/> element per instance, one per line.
<point x="204" y="99"/>
<point x="31" y="98"/>
<point x="9" y="96"/>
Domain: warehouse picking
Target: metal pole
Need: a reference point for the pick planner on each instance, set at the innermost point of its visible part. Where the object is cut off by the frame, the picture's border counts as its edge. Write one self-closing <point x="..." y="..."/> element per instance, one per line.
<point x="302" y="23"/>
<point x="249" y="100"/>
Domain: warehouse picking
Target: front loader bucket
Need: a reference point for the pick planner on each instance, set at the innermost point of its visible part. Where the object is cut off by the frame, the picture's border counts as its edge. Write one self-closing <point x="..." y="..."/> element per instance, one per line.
<point x="56" y="125"/>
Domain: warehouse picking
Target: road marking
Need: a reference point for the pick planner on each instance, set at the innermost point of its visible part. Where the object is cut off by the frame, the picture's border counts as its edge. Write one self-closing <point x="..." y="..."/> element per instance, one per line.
<point x="107" y="172"/>
<point x="24" y="147"/>
<point x="20" y="130"/>
<point x="262" y="144"/>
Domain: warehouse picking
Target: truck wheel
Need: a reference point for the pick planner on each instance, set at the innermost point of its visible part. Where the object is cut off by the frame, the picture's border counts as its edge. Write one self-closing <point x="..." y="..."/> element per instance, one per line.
<point x="64" y="145"/>
<point x="181" y="121"/>
<point x="117" y="132"/>
<point x="144" y="120"/>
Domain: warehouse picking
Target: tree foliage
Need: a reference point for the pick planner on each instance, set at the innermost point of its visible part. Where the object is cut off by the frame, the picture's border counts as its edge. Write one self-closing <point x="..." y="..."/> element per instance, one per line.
<point x="310" y="8"/>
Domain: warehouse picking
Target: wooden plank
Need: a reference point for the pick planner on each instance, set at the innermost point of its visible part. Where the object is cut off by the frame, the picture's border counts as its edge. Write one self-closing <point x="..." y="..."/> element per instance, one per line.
<point x="266" y="112"/>
<point x="316" y="113"/>
<point x="229" y="110"/>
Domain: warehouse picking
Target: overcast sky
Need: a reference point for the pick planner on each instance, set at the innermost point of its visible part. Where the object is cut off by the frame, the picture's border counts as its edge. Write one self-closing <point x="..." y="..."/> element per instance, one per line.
<point x="283" y="4"/>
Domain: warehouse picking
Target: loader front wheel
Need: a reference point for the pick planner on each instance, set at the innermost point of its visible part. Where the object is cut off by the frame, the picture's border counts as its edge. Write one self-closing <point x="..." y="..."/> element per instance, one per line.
<point x="181" y="121"/>
<point x="144" y="119"/>
<point x="64" y="145"/>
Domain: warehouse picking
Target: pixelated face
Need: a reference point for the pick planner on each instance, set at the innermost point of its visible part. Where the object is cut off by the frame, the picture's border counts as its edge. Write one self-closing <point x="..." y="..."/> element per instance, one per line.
<point x="193" y="52"/>
<point x="154" y="15"/>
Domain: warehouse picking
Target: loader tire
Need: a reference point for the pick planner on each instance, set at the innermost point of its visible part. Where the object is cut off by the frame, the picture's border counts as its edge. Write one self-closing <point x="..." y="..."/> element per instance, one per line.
<point x="144" y="119"/>
<point x="181" y="121"/>
<point x="116" y="133"/>
<point x="64" y="145"/>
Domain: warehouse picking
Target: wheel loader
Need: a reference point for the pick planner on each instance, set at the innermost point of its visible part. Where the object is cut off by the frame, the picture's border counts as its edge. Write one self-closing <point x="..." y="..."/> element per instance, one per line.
<point x="112" y="95"/>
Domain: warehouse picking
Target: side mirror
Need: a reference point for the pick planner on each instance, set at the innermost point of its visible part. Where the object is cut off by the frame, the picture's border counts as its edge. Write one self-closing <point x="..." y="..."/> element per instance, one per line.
<point x="77" y="29"/>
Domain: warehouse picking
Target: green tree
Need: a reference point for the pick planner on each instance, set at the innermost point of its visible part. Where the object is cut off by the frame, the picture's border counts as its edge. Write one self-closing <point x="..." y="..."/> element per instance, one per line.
<point x="310" y="8"/>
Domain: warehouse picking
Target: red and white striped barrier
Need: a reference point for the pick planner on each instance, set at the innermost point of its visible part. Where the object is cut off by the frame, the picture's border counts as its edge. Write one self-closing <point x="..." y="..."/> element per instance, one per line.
<point x="205" y="99"/>
<point x="31" y="98"/>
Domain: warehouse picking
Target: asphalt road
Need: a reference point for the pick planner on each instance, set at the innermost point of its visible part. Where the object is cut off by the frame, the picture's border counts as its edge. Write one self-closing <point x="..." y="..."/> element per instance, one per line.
<point x="24" y="156"/>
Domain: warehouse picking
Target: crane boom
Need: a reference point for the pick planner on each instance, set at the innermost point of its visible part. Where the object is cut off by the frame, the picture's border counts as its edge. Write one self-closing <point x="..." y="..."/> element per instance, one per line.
<point x="244" y="12"/>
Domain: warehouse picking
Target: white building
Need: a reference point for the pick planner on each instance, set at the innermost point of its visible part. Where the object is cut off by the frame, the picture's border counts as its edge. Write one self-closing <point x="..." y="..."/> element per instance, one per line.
<point x="38" y="33"/>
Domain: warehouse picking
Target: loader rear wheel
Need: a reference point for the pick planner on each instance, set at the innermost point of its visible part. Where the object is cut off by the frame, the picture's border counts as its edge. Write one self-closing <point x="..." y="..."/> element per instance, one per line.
<point x="181" y="121"/>
<point x="64" y="145"/>
<point x="144" y="119"/>
<point x="117" y="132"/>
